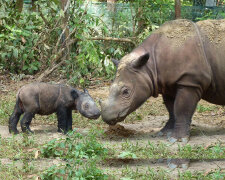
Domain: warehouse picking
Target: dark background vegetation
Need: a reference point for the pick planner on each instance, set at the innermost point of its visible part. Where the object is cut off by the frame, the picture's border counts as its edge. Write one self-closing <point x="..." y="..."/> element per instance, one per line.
<point x="39" y="37"/>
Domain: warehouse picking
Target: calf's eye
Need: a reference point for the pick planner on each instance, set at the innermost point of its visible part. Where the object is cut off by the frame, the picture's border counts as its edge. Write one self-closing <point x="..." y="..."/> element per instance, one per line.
<point x="86" y="106"/>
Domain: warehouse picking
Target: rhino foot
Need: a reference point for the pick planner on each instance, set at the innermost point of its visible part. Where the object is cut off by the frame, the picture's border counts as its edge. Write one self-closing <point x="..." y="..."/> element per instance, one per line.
<point x="183" y="140"/>
<point x="164" y="132"/>
<point x="172" y="139"/>
<point x="13" y="131"/>
<point x="27" y="130"/>
<point x="60" y="130"/>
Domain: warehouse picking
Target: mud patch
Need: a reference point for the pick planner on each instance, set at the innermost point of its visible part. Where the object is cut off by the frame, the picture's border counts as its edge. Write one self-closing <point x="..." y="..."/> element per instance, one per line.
<point x="178" y="30"/>
<point x="214" y="30"/>
<point x="119" y="131"/>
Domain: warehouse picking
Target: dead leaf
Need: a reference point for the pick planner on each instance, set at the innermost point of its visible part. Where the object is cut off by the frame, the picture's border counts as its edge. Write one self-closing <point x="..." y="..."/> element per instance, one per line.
<point x="23" y="40"/>
<point x="37" y="154"/>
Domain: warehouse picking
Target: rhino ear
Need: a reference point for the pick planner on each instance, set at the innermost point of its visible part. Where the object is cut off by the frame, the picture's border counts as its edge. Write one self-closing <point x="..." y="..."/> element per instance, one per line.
<point x="115" y="62"/>
<point x="86" y="91"/>
<point x="74" y="94"/>
<point x="141" y="61"/>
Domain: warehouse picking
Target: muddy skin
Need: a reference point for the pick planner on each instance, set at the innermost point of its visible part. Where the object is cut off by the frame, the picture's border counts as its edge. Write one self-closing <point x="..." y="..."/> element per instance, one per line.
<point x="45" y="99"/>
<point x="182" y="60"/>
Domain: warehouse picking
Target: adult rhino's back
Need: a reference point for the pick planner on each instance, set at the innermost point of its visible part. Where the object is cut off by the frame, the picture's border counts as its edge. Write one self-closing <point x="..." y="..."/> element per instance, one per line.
<point x="191" y="54"/>
<point x="179" y="54"/>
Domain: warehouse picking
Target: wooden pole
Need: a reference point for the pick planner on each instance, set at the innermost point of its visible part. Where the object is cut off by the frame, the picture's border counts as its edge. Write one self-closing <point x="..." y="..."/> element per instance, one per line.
<point x="19" y="5"/>
<point x="177" y="9"/>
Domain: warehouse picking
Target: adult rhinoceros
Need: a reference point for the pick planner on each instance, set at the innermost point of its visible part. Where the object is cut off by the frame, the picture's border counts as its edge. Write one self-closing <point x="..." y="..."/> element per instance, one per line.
<point x="183" y="61"/>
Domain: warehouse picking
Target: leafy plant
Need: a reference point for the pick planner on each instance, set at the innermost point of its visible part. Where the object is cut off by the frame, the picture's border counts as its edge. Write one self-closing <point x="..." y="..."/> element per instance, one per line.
<point x="74" y="145"/>
<point x="81" y="152"/>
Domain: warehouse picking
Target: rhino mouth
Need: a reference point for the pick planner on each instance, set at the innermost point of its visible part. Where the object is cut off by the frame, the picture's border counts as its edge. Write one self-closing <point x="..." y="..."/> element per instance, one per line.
<point x="120" y="117"/>
<point x="90" y="115"/>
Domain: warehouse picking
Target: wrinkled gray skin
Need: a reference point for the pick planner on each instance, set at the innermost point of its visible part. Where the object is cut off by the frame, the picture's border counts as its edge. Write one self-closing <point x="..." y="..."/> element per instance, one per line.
<point x="183" y="61"/>
<point x="45" y="99"/>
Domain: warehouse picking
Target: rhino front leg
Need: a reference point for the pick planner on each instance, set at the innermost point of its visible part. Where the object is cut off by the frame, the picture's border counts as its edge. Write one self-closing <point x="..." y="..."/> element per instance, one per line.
<point x="62" y="119"/>
<point x="184" y="106"/>
<point x="25" y="122"/>
<point x="69" y="120"/>
<point x="169" y="103"/>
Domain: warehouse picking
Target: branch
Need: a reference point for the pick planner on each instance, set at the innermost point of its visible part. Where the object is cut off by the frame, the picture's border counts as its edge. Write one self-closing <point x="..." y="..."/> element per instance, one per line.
<point x="42" y="16"/>
<point x="113" y="39"/>
<point x="54" y="59"/>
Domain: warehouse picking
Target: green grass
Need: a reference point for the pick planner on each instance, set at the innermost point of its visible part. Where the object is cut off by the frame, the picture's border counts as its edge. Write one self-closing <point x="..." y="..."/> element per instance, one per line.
<point x="151" y="173"/>
<point x="163" y="150"/>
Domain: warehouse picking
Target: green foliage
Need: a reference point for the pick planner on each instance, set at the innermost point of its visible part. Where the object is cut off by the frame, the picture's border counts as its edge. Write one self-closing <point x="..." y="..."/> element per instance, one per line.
<point x="81" y="152"/>
<point x="74" y="146"/>
<point x="73" y="170"/>
<point x="6" y="108"/>
<point x="18" y="34"/>
<point x="203" y="108"/>
<point x="127" y="154"/>
<point x="28" y="40"/>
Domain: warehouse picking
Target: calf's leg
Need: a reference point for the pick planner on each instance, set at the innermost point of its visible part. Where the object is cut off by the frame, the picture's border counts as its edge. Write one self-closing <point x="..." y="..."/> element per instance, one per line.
<point x="62" y="119"/>
<point x="69" y="120"/>
<point x="184" y="106"/>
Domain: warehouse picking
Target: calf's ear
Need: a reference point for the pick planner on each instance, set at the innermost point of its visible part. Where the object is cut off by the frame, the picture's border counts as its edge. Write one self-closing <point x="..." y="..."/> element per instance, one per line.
<point x="74" y="94"/>
<point x="141" y="61"/>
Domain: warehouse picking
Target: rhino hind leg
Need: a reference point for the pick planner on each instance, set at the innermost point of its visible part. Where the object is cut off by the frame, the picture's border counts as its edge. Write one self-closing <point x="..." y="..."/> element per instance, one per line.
<point x="184" y="106"/>
<point x="168" y="128"/>
<point x="69" y="120"/>
<point x="14" y="118"/>
<point x="62" y="119"/>
<point x="25" y="122"/>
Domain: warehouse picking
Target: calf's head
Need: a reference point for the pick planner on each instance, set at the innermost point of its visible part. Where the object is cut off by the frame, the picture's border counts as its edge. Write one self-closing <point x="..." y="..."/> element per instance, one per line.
<point x="130" y="89"/>
<point x="85" y="104"/>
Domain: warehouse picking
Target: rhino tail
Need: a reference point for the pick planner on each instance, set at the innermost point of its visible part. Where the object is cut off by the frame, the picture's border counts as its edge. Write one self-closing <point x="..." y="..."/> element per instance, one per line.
<point x="14" y="118"/>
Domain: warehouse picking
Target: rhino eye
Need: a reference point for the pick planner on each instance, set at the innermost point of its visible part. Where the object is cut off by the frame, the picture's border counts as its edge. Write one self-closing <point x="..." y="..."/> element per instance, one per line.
<point x="125" y="92"/>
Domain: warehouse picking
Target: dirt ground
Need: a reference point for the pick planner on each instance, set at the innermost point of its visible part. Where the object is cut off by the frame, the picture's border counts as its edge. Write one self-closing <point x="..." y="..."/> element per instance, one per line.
<point x="206" y="129"/>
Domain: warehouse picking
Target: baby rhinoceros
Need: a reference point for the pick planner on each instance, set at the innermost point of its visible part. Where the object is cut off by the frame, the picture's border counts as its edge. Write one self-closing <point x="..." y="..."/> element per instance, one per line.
<point x="45" y="99"/>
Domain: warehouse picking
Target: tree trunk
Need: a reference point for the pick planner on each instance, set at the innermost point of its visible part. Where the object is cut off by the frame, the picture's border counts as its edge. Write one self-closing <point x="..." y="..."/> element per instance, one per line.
<point x="19" y="5"/>
<point x="177" y="9"/>
<point x="65" y="26"/>
<point x="33" y="6"/>
<point x="139" y="17"/>
<point x="111" y="6"/>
